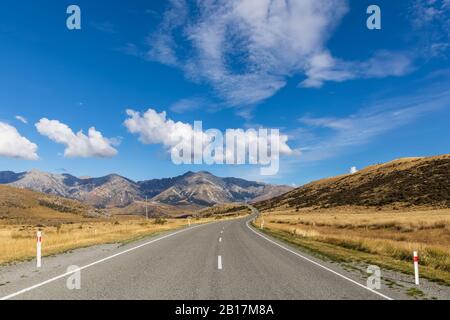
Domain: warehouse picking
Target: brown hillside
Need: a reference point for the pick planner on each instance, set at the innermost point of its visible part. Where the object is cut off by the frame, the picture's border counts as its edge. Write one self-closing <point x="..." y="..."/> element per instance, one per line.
<point x="405" y="182"/>
<point x="28" y="207"/>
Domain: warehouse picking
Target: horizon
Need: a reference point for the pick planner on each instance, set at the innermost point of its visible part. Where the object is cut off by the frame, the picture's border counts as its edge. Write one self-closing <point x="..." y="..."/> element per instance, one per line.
<point x="219" y="176"/>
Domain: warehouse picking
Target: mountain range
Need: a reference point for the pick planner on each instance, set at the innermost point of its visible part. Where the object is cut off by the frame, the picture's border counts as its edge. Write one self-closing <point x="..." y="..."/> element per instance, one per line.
<point x="201" y="189"/>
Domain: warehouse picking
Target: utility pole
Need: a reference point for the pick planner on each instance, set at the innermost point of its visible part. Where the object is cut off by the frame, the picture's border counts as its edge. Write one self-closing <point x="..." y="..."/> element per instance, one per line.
<point x="146" y="208"/>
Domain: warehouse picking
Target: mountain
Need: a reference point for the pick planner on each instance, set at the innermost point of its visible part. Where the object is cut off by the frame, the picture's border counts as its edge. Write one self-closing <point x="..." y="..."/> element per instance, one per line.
<point x="199" y="189"/>
<point x="204" y="189"/>
<point x="404" y="182"/>
<point x="111" y="190"/>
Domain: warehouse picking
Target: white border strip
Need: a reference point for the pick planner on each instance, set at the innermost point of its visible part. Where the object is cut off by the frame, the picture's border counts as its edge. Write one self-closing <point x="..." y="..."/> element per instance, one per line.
<point x="316" y="263"/>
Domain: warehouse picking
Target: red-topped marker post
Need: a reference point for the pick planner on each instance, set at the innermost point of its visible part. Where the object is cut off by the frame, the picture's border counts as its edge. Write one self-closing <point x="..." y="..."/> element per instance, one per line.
<point x="416" y="267"/>
<point x="38" y="249"/>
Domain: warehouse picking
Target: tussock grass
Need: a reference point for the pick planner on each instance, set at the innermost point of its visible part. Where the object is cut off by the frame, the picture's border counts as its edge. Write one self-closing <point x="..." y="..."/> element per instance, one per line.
<point x="384" y="238"/>
<point x="18" y="242"/>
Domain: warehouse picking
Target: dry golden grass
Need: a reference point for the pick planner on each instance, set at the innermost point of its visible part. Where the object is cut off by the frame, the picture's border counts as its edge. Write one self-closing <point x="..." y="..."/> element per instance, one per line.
<point x="18" y="242"/>
<point x="387" y="238"/>
<point x="68" y="224"/>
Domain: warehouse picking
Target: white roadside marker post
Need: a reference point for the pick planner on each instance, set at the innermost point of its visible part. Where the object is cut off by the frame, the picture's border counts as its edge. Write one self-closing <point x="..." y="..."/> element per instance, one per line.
<point x="189" y="221"/>
<point x="146" y="208"/>
<point x="38" y="249"/>
<point x="416" y="267"/>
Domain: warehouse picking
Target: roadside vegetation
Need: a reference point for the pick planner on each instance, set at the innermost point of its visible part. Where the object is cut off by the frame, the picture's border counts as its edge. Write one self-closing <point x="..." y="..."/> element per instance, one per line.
<point x="18" y="242"/>
<point x="385" y="238"/>
<point x="68" y="224"/>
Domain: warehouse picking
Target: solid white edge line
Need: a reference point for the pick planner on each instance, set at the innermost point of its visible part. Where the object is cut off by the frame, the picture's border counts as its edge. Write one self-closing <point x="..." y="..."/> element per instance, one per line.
<point x="97" y="262"/>
<point x="317" y="264"/>
<point x="219" y="262"/>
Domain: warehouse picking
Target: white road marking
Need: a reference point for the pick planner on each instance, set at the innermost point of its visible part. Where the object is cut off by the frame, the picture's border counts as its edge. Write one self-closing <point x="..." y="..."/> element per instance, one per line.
<point x="221" y="232"/>
<point x="219" y="262"/>
<point x="220" y="239"/>
<point x="95" y="263"/>
<point x="317" y="264"/>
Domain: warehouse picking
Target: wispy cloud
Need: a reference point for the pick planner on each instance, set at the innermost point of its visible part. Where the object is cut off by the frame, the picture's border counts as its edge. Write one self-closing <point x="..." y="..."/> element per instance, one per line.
<point x="131" y="49"/>
<point x="105" y="27"/>
<point x="247" y="50"/>
<point x="431" y="20"/>
<point x="77" y="145"/>
<point x="330" y="136"/>
<point x="22" y="119"/>
<point x="189" y="104"/>
<point x="323" y="67"/>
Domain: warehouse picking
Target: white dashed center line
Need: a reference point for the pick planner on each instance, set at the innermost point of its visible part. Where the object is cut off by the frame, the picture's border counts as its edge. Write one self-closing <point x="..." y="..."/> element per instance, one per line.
<point x="219" y="262"/>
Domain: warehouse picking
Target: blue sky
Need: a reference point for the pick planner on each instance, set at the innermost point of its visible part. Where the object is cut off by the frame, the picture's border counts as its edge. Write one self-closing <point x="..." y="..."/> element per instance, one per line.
<point x="343" y="94"/>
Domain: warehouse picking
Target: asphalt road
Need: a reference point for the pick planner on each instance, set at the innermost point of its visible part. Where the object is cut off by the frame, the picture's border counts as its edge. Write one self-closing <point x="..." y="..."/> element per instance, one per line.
<point x="222" y="260"/>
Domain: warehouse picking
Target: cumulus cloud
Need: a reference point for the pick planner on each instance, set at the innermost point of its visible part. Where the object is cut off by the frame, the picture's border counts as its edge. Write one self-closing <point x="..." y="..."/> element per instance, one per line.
<point x="155" y="128"/>
<point x="13" y="145"/>
<point x="77" y="145"/>
<point x="22" y="119"/>
<point x="248" y="49"/>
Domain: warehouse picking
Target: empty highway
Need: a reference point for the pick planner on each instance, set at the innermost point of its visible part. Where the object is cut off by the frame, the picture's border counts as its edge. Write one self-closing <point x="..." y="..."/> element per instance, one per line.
<point x="221" y="260"/>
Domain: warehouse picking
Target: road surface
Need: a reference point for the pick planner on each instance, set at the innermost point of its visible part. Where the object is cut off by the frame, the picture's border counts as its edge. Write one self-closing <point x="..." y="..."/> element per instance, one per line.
<point x="221" y="260"/>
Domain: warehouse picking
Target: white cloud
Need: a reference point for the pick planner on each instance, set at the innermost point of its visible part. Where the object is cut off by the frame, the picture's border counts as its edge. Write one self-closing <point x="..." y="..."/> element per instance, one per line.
<point x="248" y="49"/>
<point x="155" y="128"/>
<point x="22" y="119"/>
<point x="77" y="145"/>
<point x="323" y="67"/>
<point x="13" y="145"/>
<point x="353" y="170"/>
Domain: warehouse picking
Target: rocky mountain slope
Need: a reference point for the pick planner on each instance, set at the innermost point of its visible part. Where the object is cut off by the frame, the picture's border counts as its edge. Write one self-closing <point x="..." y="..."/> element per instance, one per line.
<point x="401" y="183"/>
<point x="201" y="189"/>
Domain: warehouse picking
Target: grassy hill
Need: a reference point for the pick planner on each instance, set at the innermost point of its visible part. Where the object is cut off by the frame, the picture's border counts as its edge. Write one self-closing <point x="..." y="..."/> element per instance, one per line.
<point x="379" y="215"/>
<point x="21" y="206"/>
<point x="403" y="183"/>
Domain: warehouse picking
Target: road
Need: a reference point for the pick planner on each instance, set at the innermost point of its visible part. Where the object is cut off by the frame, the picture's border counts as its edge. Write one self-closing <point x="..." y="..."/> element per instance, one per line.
<point x="221" y="260"/>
